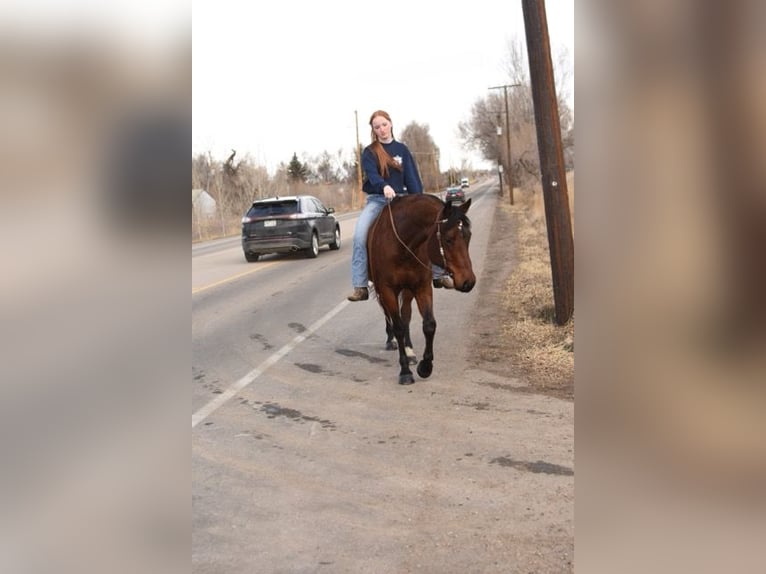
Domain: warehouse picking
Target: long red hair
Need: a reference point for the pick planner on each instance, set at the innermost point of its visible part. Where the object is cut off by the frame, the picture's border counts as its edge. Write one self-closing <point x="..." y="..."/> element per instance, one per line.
<point x="384" y="160"/>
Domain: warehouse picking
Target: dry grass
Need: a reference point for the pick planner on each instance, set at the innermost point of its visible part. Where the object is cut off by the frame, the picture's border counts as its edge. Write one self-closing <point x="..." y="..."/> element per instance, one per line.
<point x="526" y="339"/>
<point x="543" y="350"/>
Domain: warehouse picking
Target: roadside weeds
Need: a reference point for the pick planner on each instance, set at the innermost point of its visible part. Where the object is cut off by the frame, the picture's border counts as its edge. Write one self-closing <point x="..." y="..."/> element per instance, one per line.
<point x="517" y="333"/>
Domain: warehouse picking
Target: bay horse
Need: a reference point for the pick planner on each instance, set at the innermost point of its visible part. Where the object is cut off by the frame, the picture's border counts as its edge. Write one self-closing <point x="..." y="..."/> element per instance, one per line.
<point x="411" y="233"/>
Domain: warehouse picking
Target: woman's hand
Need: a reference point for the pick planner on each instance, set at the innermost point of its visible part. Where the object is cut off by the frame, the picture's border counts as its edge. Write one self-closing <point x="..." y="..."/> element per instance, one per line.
<point x="389" y="192"/>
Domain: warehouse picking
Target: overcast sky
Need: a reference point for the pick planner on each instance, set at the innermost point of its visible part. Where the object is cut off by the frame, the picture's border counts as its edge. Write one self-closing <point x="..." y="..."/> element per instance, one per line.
<point x="273" y="78"/>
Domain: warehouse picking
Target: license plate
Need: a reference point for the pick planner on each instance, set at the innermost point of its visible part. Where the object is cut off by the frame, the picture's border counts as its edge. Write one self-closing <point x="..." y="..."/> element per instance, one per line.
<point x="270" y="223"/>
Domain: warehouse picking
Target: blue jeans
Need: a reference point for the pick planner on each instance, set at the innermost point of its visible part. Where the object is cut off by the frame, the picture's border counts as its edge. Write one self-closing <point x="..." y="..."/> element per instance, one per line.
<point x="370" y="212"/>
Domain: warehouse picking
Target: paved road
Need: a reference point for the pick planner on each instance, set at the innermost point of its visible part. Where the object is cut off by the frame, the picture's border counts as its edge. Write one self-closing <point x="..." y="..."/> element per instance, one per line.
<point x="307" y="456"/>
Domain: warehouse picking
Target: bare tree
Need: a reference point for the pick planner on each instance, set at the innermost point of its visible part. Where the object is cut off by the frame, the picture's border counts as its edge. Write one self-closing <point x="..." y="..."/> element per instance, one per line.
<point x="418" y="139"/>
<point x="480" y="131"/>
<point x="324" y="168"/>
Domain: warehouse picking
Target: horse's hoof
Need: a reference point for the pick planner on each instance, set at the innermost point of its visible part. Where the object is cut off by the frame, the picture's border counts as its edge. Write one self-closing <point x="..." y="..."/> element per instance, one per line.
<point x="391" y="346"/>
<point x="406" y="379"/>
<point x="425" y="369"/>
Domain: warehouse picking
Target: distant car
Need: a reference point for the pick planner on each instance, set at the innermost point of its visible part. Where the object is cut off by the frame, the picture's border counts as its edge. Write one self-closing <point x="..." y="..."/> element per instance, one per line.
<point x="286" y="224"/>
<point x="464" y="182"/>
<point x="454" y="194"/>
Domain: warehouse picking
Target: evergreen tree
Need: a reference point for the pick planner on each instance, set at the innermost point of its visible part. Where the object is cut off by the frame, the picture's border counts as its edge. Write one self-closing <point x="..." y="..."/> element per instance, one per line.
<point x="296" y="171"/>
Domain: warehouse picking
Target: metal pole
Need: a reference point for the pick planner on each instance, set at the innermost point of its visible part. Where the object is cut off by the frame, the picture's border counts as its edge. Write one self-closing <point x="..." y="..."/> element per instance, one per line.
<point x="554" y="182"/>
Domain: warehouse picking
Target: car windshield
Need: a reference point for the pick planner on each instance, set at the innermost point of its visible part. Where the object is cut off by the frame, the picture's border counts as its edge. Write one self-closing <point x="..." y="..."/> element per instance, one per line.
<point x="273" y="208"/>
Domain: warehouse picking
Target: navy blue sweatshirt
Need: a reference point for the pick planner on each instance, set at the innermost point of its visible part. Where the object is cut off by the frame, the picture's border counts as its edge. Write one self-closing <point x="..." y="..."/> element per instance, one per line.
<point x="405" y="181"/>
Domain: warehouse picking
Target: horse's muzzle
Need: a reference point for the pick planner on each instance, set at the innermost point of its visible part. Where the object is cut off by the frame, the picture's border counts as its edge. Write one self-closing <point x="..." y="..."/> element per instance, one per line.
<point x="466" y="286"/>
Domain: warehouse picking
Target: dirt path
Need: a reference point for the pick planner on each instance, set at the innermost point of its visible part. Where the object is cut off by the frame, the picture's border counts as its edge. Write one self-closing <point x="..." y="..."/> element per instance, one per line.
<point x="512" y="332"/>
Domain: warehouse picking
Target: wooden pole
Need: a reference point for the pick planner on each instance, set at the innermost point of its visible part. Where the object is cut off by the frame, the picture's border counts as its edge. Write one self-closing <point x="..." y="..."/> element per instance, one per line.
<point x="358" y="190"/>
<point x="554" y="183"/>
<point x="509" y="177"/>
<point x="509" y="161"/>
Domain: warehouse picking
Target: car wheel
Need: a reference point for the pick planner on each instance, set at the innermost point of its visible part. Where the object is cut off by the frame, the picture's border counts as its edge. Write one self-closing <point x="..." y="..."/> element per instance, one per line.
<point x="336" y="244"/>
<point x="313" y="251"/>
<point x="251" y="257"/>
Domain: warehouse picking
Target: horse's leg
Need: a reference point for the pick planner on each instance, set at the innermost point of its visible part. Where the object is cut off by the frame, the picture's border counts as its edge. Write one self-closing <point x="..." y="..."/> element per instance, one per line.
<point x="406" y="312"/>
<point x="424" y="297"/>
<point x="390" y="340"/>
<point x="390" y="303"/>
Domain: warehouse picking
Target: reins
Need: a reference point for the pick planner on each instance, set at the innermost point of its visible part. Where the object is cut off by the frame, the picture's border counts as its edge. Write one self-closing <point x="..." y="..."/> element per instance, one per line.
<point x="438" y="223"/>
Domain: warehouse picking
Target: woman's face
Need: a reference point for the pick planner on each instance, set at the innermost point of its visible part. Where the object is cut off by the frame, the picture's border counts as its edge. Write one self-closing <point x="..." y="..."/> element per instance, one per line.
<point x="382" y="128"/>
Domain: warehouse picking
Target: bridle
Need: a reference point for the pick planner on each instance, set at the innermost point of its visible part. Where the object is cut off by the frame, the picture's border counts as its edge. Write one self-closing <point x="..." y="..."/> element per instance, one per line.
<point x="439" y="221"/>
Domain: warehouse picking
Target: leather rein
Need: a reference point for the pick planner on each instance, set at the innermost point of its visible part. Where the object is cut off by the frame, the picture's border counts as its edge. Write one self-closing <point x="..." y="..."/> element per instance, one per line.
<point x="438" y="224"/>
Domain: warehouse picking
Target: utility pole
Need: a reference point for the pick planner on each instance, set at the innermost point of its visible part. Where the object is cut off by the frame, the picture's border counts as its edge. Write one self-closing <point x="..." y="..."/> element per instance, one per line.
<point x="358" y="190"/>
<point x="499" y="163"/>
<point x="554" y="182"/>
<point x="507" y="136"/>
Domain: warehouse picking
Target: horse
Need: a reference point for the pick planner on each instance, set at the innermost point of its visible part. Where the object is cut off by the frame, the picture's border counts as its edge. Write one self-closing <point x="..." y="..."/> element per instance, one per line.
<point x="411" y="233"/>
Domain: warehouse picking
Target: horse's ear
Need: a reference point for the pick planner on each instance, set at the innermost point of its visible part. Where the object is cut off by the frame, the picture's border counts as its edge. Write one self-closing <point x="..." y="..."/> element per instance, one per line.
<point x="466" y="205"/>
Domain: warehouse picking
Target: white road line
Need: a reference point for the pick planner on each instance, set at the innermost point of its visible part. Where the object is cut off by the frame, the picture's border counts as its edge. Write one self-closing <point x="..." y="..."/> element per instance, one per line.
<point x="229" y="393"/>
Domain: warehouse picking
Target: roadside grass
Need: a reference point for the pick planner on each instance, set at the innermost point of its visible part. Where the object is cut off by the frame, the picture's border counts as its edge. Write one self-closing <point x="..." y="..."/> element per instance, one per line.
<point x="540" y="349"/>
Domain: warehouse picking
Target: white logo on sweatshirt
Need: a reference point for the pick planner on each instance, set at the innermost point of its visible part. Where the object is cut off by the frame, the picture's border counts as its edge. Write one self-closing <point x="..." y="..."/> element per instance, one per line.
<point x="398" y="159"/>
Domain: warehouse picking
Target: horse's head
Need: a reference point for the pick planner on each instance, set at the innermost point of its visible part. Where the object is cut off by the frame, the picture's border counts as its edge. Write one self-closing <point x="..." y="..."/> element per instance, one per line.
<point x="450" y="250"/>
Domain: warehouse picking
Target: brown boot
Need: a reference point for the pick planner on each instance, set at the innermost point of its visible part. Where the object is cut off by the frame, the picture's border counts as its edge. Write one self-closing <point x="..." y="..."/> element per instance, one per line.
<point x="359" y="294"/>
